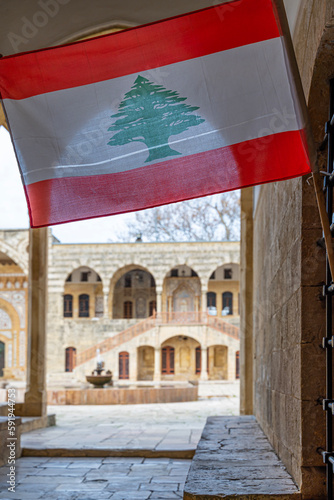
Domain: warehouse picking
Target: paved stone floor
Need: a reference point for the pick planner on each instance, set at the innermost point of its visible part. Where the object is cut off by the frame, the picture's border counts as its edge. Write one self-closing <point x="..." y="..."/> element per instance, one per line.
<point x="93" y="479"/>
<point x="171" y="426"/>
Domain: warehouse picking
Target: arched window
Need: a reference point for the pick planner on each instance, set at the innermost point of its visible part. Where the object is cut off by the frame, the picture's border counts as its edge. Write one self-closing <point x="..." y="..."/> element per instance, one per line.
<point x="123" y="365"/>
<point x="127" y="309"/>
<point x="227" y="303"/>
<point x="68" y="306"/>
<point x="70" y="355"/>
<point x="152" y="307"/>
<point x="167" y="361"/>
<point x="84" y="306"/>
<point x="237" y="364"/>
<point x="198" y="360"/>
<point x="211" y="299"/>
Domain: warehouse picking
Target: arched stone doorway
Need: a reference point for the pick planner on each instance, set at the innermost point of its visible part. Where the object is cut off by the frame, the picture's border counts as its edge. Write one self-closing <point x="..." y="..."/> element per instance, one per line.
<point x="180" y="358"/>
<point x="223" y="292"/>
<point x="83" y="294"/>
<point x="133" y="295"/>
<point x="181" y="291"/>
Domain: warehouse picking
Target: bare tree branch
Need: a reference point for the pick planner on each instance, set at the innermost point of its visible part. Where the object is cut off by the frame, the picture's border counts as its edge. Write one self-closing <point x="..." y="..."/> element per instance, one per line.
<point x="204" y="219"/>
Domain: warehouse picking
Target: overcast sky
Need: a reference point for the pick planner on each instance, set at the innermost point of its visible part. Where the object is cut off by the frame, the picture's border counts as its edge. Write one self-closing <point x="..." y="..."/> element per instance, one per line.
<point x="14" y="213"/>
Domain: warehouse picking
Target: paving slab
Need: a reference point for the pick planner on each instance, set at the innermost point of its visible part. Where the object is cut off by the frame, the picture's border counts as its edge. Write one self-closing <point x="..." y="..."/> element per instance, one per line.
<point x="98" y="479"/>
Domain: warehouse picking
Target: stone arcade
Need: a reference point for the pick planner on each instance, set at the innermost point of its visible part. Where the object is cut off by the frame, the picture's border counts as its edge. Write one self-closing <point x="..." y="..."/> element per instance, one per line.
<point x="111" y="291"/>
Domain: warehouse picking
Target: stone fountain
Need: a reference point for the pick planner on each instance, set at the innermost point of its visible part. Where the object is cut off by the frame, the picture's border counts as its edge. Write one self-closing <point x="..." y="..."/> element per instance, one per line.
<point x="96" y="378"/>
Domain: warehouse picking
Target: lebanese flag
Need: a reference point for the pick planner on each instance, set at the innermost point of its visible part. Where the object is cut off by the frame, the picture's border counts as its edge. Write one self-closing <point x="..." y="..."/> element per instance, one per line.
<point x="190" y="106"/>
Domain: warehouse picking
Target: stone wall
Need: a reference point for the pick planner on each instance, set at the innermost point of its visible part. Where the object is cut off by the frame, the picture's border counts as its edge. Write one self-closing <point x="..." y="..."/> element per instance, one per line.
<point x="289" y="270"/>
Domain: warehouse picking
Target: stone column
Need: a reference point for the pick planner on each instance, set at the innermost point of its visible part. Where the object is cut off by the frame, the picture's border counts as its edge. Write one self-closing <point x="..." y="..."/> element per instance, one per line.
<point x="133" y="364"/>
<point x="105" y="305"/>
<point x="157" y="364"/>
<point x="115" y="370"/>
<point x="204" y="364"/>
<point x="35" y="396"/>
<point x="159" y="303"/>
<point x="204" y="301"/>
<point x="246" y="302"/>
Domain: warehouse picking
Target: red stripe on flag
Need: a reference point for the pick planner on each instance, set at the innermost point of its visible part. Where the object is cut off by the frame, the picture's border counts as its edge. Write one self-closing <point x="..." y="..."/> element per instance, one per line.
<point x="197" y="34"/>
<point x="76" y="198"/>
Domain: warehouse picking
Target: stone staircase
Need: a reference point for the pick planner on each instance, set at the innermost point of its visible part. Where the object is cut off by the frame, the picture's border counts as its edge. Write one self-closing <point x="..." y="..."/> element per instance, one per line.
<point x="181" y="318"/>
<point x="116" y="340"/>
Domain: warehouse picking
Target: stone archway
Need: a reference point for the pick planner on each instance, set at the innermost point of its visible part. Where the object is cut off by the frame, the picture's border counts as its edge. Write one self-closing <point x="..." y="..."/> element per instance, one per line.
<point x="132" y="289"/>
<point x="179" y="358"/>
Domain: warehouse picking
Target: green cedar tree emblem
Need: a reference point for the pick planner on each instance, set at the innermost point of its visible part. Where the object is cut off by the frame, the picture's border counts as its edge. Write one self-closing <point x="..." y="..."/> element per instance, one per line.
<point x="151" y="114"/>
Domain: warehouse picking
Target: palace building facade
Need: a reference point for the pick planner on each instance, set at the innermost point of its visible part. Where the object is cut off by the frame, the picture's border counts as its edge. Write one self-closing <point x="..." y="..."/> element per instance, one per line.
<point x="155" y="311"/>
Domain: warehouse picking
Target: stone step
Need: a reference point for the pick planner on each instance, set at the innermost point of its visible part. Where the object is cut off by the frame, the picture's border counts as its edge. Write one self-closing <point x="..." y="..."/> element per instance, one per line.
<point x="234" y="460"/>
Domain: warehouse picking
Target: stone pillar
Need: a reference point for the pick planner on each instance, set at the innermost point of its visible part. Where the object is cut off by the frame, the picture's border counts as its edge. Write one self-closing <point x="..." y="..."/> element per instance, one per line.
<point x="246" y="303"/>
<point x="105" y="305"/>
<point x="35" y="396"/>
<point x="157" y="364"/>
<point x="204" y="364"/>
<point x="204" y="301"/>
<point x="115" y="371"/>
<point x="159" y="303"/>
<point x="133" y="364"/>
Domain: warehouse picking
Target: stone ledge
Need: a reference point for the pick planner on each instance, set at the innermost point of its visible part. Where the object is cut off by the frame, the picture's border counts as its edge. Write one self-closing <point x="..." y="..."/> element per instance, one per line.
<point x="115" y="396"/>
<point x="234" y="460"/>
<point x="33" y="423"/>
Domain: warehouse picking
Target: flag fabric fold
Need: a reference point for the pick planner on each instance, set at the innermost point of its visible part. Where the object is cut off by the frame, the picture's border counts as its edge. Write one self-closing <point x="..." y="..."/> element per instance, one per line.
<point x="190" y="106"/>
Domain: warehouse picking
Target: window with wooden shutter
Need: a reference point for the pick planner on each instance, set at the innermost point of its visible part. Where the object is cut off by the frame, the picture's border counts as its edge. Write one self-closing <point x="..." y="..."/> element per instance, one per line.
<point x="237" y="364"/>
<point x="123" y="365"/>
<point x="228" y="302"/>
<point x="198" y="360"/>
<point x="127" y="309"/>
<point x="68" y="306"/>
<point x="84" y="306"/>
<point x="167" y="360"/>
<point x="152" y="307"/>
<point x="70" y="356"/>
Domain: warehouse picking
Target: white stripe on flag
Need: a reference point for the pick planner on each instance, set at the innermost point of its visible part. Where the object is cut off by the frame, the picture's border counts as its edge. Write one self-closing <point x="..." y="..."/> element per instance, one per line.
<point x="245" y="95"/>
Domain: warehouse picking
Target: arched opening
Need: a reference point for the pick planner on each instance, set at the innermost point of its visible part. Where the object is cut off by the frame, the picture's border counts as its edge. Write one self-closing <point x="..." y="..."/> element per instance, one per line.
<point x="180" y="358"/>
<point x="181" y="293"/>
<point x="133" y="295"/>
<point x="70" y="356"/>
<point x="123" y="365"/>
<point x="217" y="362"/>
<point x="145" y="363"/>
<point x="13" y="333"/>
<point x="83" y="294"/>
<point x="224" y="285"/>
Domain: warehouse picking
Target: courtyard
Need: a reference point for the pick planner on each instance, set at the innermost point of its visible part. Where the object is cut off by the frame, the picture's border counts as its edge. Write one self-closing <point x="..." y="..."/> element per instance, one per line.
<point x="65" y="461"/>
